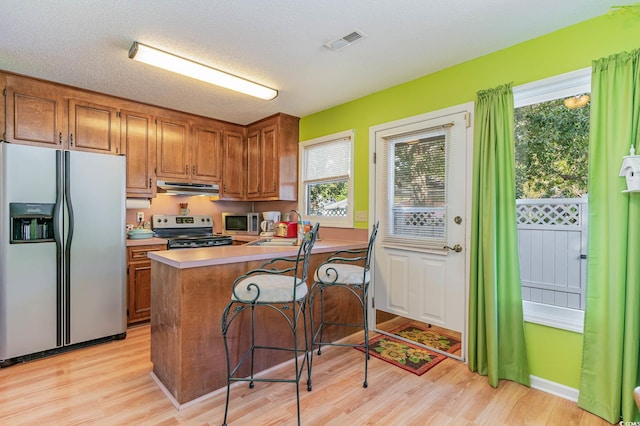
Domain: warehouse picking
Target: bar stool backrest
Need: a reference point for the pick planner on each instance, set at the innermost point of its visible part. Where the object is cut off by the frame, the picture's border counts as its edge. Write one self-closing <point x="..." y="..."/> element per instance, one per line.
<point x="305" y="249"/>
<point x="372" y="238"/>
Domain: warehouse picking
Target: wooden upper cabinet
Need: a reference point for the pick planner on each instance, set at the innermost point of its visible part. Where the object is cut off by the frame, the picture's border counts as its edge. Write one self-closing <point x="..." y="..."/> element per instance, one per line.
<point x="94" y="127"/>
<point x="35" y="113"/>
<point x="138" y="139"/>
<point x="262" y="162"/>
<point x="206" y="154"/>
<point x="258" y="162"/>
<point x="172" y="145"/>
<point x="253" y="165"/>
<point x="233" y="170"/>
<point x="270" y="163"/>
<point x="55" y="116"/>
<point x="272" y="159"/>
<point x="189" y="152"/>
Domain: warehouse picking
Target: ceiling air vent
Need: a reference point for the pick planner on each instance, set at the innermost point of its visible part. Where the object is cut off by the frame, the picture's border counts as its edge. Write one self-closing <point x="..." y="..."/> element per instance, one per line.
<point x="345" y="41"/>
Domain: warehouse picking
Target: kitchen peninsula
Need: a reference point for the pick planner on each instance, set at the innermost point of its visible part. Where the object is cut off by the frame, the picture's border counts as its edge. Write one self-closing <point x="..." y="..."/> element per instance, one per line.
<point x="190" y="289"/>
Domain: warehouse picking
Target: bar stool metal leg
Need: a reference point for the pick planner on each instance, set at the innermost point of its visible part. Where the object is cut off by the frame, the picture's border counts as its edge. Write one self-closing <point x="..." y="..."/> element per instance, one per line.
<point x="347" y="270"/>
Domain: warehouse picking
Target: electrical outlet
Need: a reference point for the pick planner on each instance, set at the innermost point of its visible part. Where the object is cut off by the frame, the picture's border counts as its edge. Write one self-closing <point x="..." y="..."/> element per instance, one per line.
<point x="361" y="215"/>
<point x="140" y="216"/>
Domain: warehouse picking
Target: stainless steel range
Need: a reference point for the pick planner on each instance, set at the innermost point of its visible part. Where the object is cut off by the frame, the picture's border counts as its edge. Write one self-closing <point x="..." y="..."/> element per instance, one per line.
<point x="188" y="231"/>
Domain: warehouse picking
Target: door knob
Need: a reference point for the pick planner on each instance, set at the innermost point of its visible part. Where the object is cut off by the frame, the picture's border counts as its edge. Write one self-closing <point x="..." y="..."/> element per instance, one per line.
<point x="457" y="248"/>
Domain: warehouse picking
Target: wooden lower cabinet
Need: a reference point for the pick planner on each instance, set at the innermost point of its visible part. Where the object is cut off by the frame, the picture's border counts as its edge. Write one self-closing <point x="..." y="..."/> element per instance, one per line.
<point x="139" y="283"/>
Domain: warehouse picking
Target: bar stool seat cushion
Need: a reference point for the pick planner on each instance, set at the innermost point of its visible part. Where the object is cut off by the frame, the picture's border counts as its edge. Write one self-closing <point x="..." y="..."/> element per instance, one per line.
<point x="273" y="289"/>
<point x="346" y="274"/>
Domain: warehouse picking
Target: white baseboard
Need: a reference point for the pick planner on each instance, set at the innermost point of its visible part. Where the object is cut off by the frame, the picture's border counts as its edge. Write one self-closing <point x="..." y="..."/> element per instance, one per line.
<point x="554" y="388"/>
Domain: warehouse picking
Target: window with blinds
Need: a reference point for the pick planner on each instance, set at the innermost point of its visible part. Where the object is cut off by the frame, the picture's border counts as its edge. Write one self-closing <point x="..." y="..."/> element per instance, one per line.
<point x="326" y="171"/>
<point x="415" y="171"/>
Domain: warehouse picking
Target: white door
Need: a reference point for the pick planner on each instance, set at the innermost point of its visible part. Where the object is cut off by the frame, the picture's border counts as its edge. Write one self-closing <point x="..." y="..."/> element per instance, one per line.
<point x="421" y="180"/>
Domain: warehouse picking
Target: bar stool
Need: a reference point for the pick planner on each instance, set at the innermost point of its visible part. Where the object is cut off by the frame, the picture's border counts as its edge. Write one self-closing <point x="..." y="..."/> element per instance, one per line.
<point x="281" y="286"/>
<point x="340" y="271"/>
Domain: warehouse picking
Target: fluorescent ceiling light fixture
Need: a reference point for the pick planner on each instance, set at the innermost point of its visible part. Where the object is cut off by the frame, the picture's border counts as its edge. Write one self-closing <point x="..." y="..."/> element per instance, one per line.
<point x="161" y="59"/>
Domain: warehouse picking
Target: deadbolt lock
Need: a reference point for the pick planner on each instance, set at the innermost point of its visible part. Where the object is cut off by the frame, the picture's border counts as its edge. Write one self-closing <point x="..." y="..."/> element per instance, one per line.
<point x="457" y="220"/>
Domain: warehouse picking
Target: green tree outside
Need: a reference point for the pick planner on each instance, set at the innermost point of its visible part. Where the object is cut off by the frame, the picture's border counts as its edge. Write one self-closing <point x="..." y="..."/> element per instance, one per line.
<point x="551" y="150"/>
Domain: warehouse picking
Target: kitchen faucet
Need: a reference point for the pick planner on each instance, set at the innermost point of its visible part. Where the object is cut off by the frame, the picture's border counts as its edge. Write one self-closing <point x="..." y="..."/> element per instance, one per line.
<point x="300" y="233"/>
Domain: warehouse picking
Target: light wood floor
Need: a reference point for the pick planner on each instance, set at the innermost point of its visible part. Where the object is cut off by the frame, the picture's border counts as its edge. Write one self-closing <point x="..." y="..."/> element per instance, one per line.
<point x="110" y="384"/>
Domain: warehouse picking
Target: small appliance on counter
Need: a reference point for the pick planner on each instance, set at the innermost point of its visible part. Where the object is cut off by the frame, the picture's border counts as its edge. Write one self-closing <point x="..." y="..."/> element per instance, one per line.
<point x="241" y="223"/>
<point x="267" y="226"/>
<point x="286" y="229"/>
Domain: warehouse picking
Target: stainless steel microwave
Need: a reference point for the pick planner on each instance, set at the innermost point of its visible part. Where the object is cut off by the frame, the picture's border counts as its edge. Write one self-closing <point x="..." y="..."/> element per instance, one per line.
<point x="241" y="223"/>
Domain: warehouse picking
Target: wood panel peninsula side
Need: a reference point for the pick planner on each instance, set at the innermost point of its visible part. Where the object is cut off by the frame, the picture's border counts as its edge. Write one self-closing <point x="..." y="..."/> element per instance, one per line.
<point x="190" y="289"/>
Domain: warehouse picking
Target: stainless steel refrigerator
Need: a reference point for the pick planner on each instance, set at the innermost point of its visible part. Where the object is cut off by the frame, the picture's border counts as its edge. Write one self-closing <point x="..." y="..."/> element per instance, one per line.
<point x="62" y="253"/>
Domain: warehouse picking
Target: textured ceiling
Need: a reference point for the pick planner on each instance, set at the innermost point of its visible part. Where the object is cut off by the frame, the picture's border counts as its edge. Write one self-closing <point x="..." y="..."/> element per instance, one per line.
<point x="278" y="43"/>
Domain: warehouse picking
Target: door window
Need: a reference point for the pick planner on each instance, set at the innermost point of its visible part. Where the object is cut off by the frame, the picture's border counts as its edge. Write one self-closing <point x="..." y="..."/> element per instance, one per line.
<point x="415" y="169"/>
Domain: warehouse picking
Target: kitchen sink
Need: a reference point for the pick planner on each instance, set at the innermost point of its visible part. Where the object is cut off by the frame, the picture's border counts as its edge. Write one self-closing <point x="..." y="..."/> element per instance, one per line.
<point x="273" y="242"/>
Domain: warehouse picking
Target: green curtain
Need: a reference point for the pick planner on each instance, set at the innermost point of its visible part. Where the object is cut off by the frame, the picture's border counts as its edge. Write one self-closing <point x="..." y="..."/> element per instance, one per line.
<point x="496" y="328"/>
<point x="612" y="314"/>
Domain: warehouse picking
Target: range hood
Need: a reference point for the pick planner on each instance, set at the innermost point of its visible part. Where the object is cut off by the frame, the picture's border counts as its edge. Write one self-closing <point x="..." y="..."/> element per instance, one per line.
<point x="184" y="188"/>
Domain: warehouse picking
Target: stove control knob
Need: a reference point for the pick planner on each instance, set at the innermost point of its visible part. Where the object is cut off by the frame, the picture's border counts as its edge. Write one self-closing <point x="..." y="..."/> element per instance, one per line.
<point x="166" y="220"/>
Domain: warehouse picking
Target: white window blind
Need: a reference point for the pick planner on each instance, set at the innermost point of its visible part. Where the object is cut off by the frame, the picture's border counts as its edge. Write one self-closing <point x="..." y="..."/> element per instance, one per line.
<point x="415" y="171"/>
<point x="328" y="161"/>
<point x="326" y="179"/>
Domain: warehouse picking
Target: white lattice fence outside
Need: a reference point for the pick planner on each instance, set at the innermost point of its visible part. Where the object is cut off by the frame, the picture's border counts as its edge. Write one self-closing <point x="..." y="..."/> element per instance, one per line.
<point x="425" y="222"/>
<point x="552" y="237"/>
<point x="551" y="213"/>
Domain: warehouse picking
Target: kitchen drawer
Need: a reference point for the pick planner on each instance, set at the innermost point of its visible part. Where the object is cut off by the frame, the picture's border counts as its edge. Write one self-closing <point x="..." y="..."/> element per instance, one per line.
<point x="139" y="253"/>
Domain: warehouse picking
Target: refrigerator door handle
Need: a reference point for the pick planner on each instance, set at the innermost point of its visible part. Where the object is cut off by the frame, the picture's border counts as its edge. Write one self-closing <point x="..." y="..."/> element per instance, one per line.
<point x="57" y="236"/>
<point x="67" y="251"/>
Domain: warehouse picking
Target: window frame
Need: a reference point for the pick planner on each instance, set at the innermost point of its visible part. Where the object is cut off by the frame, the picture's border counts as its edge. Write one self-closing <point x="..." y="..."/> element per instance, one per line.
<point x="555" y="87"/>
<point x="335" y="222"/>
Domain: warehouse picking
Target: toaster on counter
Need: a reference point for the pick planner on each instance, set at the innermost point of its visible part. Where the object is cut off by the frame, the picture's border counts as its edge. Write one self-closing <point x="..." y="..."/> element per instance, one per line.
<point x="286" y="229"/>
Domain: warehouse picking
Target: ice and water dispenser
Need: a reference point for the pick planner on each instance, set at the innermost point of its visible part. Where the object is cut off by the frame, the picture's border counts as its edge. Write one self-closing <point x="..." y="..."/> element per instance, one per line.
<point x="31" y="222"/>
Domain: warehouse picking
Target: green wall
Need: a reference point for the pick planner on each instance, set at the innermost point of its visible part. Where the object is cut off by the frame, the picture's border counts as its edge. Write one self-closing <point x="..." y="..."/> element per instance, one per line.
<point x="554" y="354"/>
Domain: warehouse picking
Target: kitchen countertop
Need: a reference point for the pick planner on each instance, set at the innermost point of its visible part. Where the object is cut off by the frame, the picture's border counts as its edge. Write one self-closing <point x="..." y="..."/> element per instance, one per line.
<point x="146" y="242"/>
<point x="209" y="256"/>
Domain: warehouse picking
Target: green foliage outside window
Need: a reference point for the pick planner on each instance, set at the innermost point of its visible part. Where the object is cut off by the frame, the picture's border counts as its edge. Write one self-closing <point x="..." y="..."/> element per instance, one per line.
<point x="420" y="172"/>
<point x="325" y="194"/>
<point x="551" y="150"/>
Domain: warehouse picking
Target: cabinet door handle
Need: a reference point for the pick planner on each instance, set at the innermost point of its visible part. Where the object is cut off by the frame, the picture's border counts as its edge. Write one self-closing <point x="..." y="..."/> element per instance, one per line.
<point x="149" y="183"/>
<point x="186" y="169"/>
<point x="71" y="138"/>
<point x="60" y="138"/>
<point x="194" y="169"/>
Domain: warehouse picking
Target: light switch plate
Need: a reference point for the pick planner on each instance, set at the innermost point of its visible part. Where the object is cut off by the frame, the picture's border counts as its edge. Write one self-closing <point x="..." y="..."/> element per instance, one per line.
<point x="361" y="215"/>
